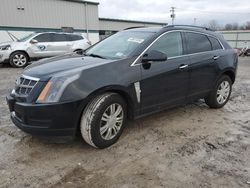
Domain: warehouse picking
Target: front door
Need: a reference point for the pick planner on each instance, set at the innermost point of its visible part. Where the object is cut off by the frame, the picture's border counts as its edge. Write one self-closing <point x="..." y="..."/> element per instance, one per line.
<point x="165" y="84"/>
<point x="43" y="47"/>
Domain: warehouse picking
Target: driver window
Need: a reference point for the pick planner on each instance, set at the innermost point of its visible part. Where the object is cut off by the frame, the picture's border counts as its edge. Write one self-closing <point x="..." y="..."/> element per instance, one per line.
<point x="43" y="37"/>
<point x="170" y="44"/>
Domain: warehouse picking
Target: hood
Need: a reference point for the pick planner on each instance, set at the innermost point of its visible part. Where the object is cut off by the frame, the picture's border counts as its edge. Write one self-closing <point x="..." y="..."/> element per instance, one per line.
<point x="7" y="43"/>
<point x="46" y="68"/>
<point x="13" y="44"/>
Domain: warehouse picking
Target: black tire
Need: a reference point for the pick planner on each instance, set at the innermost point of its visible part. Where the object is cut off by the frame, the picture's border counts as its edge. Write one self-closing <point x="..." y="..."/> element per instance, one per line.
<point x="79" y="51"/>
<point x="212" y="99"/>
<point x="91" y="121"/>
<point x="24" y="60"/>
<point x="247" y="53"/>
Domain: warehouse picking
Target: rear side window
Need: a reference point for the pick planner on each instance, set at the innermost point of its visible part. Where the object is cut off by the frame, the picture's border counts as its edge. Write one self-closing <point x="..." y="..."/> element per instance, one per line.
<point x="59" y="38"/>
<point x="75" y="37"/>
<point x="46" y="37"/>
<point x="197" y="43"/>
<point x="170" y="44"/>
<point x="215" y="43"/>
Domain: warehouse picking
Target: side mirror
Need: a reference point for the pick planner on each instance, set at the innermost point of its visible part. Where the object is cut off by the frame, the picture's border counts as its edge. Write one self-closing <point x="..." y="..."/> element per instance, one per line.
<point x="33" y="41"/>
<point x="154" y="55"/>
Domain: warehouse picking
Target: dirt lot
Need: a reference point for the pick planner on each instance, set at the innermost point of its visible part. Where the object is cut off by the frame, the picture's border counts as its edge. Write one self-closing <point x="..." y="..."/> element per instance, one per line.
<point x="190" y="146"/>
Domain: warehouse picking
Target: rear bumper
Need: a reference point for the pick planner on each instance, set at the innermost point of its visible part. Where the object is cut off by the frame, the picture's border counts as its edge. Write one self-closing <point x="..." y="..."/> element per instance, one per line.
<point x="58" y="120"/>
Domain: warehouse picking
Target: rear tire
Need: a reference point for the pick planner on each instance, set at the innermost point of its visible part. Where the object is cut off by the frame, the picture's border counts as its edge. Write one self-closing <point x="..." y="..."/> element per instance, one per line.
<point x="220" y="95"/>
<point x="103" y="120"/>
<point x="19" y="59"/>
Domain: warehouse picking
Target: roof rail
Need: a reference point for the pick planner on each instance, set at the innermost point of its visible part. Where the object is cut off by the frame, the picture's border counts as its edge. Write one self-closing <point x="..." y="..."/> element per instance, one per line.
<point x="133" y="27"/>
<point x="191" y="26"/>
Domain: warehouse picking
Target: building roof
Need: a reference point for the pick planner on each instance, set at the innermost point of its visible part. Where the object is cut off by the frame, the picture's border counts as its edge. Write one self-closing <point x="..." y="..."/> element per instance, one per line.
<point x="131" y="21"/>
<point x="82" y="1"/>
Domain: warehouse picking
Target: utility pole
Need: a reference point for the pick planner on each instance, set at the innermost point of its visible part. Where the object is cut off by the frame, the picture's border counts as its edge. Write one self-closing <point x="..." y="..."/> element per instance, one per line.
<point x="172" y="10"/>
<point x="195" y="19"/>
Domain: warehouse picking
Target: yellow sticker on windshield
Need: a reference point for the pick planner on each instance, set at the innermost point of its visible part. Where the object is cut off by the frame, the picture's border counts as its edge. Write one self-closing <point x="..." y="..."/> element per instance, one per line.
<point x="136" y="40"/>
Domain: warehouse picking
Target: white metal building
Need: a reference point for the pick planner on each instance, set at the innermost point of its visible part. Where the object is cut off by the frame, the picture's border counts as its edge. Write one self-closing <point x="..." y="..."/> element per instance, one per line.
<point x="109" y="26"/>
<point x="20" y="17"/>
<point x="238" y="38"/>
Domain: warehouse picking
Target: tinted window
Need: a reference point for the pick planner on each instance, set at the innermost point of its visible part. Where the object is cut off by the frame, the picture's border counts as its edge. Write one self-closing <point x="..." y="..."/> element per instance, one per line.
<point x="43" y="37"/>
<point x="75" y="37"/>
<point x="59" y="38"/>
<point x="170" y="44"/>
<point x="215" y="43"/>
<point x="197" y="43"/>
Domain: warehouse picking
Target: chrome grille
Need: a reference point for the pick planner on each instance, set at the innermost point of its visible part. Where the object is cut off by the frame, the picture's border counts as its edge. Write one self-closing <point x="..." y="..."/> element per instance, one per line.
<point x="25" y="84"/>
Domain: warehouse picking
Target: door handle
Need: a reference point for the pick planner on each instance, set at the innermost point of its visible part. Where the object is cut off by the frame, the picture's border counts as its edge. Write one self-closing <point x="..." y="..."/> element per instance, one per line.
<point x="183" y="66"/>
<point x="216" y="57"/>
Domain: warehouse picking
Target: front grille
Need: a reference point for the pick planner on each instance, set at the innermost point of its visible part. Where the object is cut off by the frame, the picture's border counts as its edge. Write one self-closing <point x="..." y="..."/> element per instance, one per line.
<point x="25" y="84"/>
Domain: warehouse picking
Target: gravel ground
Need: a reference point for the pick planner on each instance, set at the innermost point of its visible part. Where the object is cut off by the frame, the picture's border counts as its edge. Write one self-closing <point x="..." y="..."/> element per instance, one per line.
<point x="189" y="146"/>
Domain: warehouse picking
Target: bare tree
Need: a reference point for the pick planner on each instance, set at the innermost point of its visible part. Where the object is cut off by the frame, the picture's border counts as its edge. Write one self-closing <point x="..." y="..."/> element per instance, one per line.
<point x="242" y="27"/>
<point x="235" y="26"/>
<point x="247" y="26"/>
<point x="228" y="27"/>
<point x="213" y="24"/>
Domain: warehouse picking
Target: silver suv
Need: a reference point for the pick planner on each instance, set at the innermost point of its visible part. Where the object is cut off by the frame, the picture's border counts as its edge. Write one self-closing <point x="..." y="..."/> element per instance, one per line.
<point x="41" y="45"/>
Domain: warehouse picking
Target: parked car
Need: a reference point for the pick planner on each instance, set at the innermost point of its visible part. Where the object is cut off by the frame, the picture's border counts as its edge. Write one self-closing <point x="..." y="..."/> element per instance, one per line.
<point x="40" y="45"/>
<point x="131" y="74"/>
<point x="245" y="51"/>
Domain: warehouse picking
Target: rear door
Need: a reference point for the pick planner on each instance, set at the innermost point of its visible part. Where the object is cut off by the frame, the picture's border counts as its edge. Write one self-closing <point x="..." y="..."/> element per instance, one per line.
<point x="165" y="84"/>
<point x="61" y="44"/>
<point x="202" y="64"/>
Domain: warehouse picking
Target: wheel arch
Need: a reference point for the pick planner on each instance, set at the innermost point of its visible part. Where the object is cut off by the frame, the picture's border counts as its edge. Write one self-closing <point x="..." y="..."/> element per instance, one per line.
<point x="113" y="89"/>
<point x="23" y="51"/>
<point x="122" y="91"/>
<point x="231" y="74"/>
<point x="77" y="49"/>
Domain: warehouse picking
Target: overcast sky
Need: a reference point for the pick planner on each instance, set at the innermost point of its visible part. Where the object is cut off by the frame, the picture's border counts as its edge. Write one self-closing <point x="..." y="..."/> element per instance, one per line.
<point x="224" y="11"/>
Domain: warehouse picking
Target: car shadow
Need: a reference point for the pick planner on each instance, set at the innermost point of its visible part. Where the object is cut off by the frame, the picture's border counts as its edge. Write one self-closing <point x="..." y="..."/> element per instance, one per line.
<point x="133" y="126"/>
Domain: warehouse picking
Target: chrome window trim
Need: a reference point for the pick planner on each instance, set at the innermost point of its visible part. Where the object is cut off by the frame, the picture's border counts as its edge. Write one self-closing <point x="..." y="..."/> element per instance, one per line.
<point x="197" y="32"/>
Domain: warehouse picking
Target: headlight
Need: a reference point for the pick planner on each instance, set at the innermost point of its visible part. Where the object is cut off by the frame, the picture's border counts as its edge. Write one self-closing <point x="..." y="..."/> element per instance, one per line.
<point x="5" y="47"/>
<point x="54" y="89"/>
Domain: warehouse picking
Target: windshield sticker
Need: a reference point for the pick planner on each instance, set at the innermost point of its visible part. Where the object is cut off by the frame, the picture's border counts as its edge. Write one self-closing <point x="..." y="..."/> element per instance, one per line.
<point x="136" y="40"/>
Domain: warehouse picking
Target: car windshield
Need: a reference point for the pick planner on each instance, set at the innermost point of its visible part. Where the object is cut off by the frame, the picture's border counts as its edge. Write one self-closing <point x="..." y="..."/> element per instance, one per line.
<point x="120" y="45"/>
<point x="27" y="37"/>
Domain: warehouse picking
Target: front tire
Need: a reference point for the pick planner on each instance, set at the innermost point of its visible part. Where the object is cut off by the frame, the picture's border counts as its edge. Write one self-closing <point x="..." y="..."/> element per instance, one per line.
<point x="18" y="60"/>
<point x="103" y="120"/>
<point x="220" y="95"/>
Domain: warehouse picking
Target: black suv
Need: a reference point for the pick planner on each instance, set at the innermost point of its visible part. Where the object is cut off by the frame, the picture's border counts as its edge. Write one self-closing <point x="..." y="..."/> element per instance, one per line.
<point x="131" y="74"/>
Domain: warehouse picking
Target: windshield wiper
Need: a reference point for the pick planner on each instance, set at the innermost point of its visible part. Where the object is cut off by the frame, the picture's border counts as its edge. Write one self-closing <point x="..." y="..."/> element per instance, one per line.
<point x="95" y="55"/>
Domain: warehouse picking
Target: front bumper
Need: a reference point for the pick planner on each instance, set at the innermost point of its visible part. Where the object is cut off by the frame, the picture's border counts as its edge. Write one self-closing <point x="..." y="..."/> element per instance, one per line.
<point x="59" y="120"/>
<point x="4" y="56"/>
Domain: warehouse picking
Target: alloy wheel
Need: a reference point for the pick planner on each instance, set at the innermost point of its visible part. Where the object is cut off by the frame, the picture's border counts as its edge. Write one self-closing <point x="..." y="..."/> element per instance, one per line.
<point x="223" y="92"/>
<point x="111" y="121"/>
<point x="19" y="60"/>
